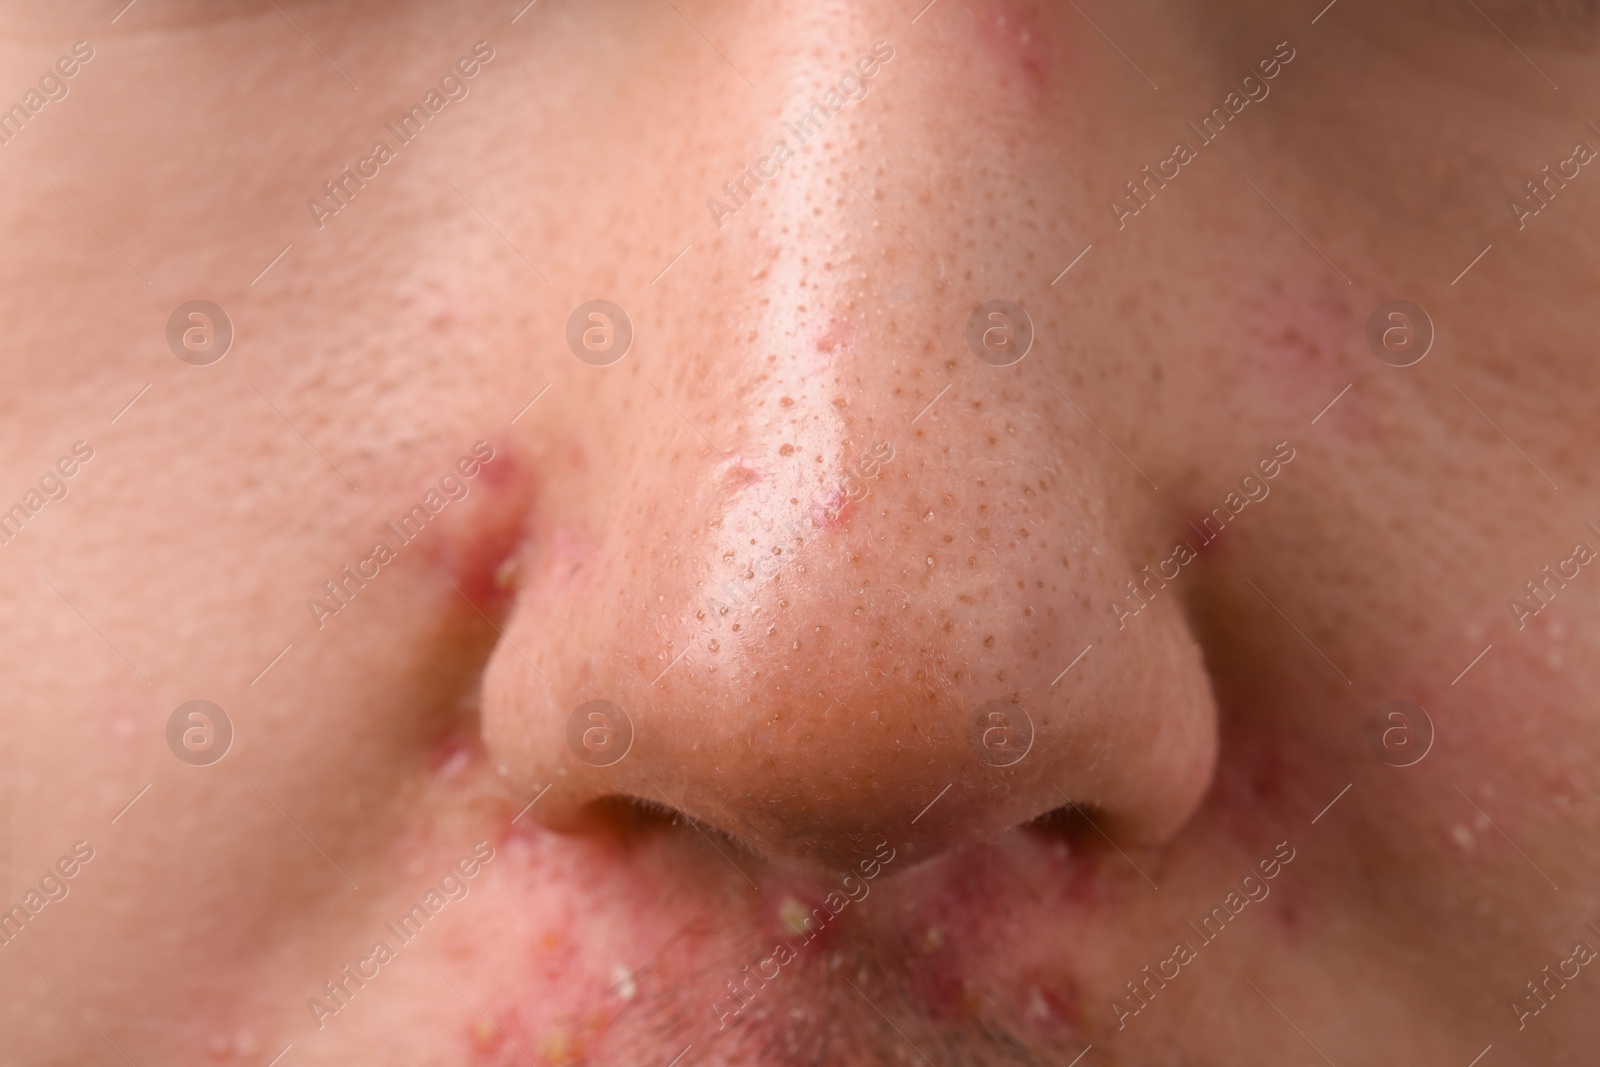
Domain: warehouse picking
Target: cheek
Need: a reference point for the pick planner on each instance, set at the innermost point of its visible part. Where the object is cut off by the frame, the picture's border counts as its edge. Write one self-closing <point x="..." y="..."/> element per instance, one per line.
<point x="1514" y="734"/>
<point x="1296" y="342"/>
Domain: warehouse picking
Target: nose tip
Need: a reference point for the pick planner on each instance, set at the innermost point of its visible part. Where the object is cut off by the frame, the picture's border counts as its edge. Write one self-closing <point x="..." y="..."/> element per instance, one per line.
<point x="880" y="682"/>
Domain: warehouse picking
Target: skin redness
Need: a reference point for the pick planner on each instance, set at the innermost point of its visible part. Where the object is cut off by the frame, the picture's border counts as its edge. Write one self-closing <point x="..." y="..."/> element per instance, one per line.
<point x="737" y="534"/>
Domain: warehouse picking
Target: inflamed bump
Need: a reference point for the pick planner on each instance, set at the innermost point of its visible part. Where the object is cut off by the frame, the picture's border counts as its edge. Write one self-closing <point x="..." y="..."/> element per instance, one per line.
<point x="668" y="928"/>
<point x="467" y="523"/>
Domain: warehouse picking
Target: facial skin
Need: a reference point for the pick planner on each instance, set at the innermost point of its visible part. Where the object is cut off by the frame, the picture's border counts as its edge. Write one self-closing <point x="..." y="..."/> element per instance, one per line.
<point x="801" y="535"/>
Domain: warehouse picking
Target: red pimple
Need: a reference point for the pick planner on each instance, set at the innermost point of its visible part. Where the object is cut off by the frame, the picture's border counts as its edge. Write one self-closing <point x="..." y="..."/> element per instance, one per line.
<point x="498" y="1042"/>
<point x="937" y="987"/>
<point x="1289" y="913"/>
<point x="562" y="553"/>
<point x="1294" y="344"/>
<point x="1564" y="792"/>
<point x="1014" y="33"/>
<point x="512" y="1032"/>
<point x="1260" y="776"/>
<point x="740" y="473"/>
<point x="802" y="920"/>
<point x="831" y="506"/>
<point x="836" y="337"/>
<point x="453" y="753"/>
<point x="1087" y="885"/>
<point x="1051" y="1003"/>
<point x="479" y="534"/>
<point x="1206" y="540"/>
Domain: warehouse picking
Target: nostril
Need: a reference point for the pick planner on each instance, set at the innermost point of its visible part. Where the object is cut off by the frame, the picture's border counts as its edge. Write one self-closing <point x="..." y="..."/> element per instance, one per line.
<point x="1068" y="823"/>
<point x="629" y="819"/>
<point x="1081" y="828"/>
<point x="632" y="821"/>
<point x="1078" y="832"/>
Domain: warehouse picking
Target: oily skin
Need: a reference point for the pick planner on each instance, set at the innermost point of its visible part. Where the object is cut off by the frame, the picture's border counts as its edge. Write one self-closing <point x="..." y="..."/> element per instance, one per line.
<point x="1218" y="723"/>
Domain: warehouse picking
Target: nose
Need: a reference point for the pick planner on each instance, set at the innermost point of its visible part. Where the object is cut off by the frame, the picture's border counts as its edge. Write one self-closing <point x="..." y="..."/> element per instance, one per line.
<point x="833" y="577"/>
<point x="844" y="635"/>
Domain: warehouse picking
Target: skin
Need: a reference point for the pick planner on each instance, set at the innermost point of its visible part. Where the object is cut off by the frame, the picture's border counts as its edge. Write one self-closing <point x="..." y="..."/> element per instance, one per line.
<point x="802" y="536"/>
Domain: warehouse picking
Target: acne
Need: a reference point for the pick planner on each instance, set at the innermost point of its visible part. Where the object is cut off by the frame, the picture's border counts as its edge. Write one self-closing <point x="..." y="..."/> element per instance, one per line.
<point x="831" y="508"/>
<point x="1261" y="778"/>
<point x="558" y="557"/>
<point x="233" y="1047"/>
<point x="1288" y="915"/>
<point x="501" y="1042"/>
<point x="1565" y="793"/>
<point x="453" y="754"/>
<point x="806" y="920"/>
<point x="1204" y="539"/>
<point x="1014" y="35"/>
<point x="939" y="990"/>
<point x="740" y="473"/>
<point x="1051" y="1005"/>
<point x="837" y="338"/>
<point x="1294" y="347"/>
<point x="553" y="1003"/>
<point x="480" y="533"/>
